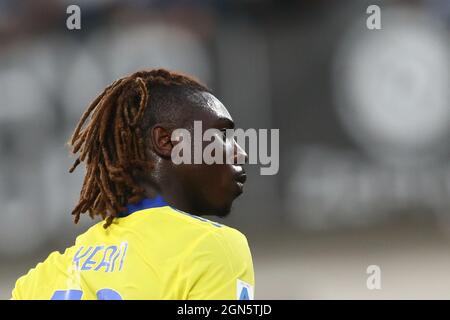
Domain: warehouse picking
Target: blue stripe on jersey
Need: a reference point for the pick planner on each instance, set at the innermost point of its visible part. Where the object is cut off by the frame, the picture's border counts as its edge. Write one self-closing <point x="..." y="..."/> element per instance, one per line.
<point x="158" y="202"/>
<point x="216" y="224"/>
<point x="144" y="204"/>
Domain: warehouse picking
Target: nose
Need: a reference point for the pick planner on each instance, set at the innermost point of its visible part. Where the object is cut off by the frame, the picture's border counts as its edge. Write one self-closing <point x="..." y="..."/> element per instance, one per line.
<point x="240" y="156"/>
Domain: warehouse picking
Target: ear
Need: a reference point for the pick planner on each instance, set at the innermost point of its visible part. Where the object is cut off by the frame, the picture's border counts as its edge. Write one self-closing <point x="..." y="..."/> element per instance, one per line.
<point x="160" y="137"/>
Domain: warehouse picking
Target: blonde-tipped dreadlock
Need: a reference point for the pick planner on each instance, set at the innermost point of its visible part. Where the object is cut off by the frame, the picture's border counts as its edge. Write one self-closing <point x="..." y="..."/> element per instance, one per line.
<point x="110" y="139"/>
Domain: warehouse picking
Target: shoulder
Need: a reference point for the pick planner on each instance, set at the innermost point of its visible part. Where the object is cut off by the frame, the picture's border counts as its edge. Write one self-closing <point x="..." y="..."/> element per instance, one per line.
<point x="216" y="234"/>
<point x="226" y="247"/>
<point x="39" y="281"/>
<point x="217" y="265"/>
<point x="167" y="232"/>
<point x="195" y="233"/>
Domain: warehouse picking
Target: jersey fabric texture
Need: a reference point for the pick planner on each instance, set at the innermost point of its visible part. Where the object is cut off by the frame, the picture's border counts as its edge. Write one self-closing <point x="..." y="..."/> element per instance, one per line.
<point x="153" y="251"/>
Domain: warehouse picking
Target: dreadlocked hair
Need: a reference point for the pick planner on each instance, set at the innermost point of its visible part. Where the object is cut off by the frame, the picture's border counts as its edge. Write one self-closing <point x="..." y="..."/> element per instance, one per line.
<point x="109" y="139"/>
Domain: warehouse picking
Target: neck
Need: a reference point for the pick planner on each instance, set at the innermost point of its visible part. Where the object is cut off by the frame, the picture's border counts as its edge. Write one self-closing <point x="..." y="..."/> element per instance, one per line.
<point x="171" y="193"/>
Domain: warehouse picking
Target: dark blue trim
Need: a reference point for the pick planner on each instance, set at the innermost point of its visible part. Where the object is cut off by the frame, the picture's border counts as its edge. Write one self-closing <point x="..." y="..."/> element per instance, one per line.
<point x="144" y="204"/>
<point x="158" y="202"/>
<point x="216" y="224"/>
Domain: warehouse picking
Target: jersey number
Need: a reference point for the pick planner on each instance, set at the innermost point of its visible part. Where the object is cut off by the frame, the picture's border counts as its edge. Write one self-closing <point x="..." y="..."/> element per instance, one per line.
<point x="102" y="294"/>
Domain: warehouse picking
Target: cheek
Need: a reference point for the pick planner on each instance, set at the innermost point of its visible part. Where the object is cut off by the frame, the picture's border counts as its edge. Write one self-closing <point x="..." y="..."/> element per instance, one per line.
<point x="225" y="181"/>
<point x="219" y="178"/>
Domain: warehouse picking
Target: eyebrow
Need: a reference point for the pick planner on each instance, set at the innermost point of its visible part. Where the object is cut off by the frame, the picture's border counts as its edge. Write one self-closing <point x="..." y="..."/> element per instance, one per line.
<point x="228" y="122"/>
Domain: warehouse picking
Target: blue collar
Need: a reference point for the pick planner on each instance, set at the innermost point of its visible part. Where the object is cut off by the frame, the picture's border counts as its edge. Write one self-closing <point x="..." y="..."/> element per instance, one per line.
<point x="144" y="204"/>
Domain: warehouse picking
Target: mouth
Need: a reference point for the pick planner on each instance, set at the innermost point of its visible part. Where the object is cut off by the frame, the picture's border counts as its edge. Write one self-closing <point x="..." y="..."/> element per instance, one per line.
<point x="240" y="179"/>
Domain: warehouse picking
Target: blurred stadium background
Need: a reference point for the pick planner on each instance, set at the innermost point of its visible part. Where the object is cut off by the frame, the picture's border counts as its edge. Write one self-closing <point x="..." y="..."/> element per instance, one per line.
<point x="364" y="119"/>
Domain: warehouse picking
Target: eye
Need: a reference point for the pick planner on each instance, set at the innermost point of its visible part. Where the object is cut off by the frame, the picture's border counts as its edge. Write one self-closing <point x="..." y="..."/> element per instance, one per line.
<point x="224" y="135"/>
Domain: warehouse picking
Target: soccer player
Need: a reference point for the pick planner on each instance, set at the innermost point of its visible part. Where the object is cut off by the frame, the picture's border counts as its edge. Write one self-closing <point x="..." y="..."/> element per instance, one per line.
<point x="152" y="242"/>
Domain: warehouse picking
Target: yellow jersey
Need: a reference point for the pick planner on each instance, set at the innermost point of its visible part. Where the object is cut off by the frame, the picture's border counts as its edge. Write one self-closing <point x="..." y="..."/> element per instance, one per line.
<point x="154" y="252"/>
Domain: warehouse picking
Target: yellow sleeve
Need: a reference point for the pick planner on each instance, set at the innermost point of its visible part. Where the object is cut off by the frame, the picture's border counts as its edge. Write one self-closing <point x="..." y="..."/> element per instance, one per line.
<point x="15" y="295"/>
<point x="220" y="267"/>
<point x="41" y="281"/>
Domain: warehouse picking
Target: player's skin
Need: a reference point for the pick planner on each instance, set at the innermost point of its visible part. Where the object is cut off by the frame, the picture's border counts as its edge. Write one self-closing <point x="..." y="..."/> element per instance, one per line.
<point x="200" y="189"/>
<point x="201" y="259"/>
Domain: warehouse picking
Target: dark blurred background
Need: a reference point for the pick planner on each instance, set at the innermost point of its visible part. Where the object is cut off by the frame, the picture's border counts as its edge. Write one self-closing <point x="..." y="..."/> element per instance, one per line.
<point x="363" y="115"/>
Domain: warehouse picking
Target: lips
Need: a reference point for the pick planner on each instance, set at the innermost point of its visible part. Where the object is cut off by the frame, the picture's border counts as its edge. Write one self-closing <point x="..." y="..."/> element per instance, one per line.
<point x="241" y="177"/>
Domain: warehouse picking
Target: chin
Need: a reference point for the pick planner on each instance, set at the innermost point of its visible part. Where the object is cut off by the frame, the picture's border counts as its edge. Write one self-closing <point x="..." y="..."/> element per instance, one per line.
<point x="221" y="212"/>
<point x="226" y="210"/>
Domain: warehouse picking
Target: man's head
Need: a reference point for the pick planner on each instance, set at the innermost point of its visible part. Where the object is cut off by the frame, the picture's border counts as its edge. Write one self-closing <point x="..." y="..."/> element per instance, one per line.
<point x="125" y="138"/>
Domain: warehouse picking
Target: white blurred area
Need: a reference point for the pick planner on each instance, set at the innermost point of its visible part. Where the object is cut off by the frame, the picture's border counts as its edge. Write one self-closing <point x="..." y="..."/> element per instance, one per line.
<point x="364" y="119"/>
<point x="414" y="265"/>
<point x="85" y="75"/>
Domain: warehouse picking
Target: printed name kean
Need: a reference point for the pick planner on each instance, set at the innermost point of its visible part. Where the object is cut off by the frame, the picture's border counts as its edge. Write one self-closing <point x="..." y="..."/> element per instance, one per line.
<point x="101" y="258"/>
